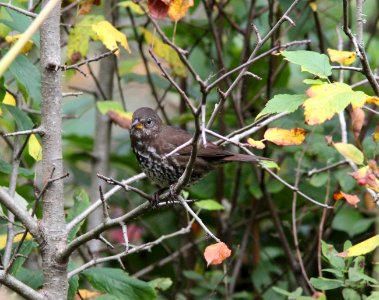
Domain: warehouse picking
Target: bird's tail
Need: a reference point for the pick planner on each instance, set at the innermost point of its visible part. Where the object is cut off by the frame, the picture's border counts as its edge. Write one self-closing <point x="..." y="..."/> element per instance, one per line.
<point x="244" y="158"/>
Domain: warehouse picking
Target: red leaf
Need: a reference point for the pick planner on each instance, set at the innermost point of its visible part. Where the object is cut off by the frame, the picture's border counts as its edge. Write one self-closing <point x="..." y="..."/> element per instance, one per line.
<point x="215" y="254"/>
<point x="158" y="9"/>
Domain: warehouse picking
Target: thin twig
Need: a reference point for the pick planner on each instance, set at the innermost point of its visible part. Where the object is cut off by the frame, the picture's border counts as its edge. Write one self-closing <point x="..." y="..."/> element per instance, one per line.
<point x="38" y="130"/>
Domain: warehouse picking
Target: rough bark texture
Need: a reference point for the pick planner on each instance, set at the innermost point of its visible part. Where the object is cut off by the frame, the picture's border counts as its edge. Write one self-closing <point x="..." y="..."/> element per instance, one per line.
<point x="53" y="222"/>
<point x="102" y="136"/>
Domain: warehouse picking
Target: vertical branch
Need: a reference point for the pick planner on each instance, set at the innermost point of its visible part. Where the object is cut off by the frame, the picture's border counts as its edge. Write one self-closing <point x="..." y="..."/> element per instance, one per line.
<point x="102" y="135"/>
<point x="53" y="221"/>
<point x="12" y="192"/>
<point x="359" y="21"/>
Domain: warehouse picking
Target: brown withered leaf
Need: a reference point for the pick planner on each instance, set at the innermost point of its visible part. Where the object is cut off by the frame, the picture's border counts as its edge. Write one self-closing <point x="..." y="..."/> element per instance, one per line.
<point x="158" y="9"/>
<point x="357" y="121"/>
<point x="121" y="119"/>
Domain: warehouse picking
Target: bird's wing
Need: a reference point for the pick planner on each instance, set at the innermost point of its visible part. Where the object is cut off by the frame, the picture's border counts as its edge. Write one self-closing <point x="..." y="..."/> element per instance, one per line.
<point x="173" y="137"/>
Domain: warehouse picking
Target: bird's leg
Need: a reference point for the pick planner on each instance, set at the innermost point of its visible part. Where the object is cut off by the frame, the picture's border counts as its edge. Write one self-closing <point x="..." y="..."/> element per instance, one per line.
<point x="154" y="202"/>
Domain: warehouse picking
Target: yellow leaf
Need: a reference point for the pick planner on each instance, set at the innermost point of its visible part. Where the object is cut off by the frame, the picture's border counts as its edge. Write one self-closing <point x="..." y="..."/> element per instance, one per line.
<point x="17" y="238"/>
<point x="313" y="5"/>
<point x="375" y="135"/>
<point x="35" y="149"/>
<point x="351" y="152"/>
<point x="179" y="8"/>
<point x="11" y="39"/>
<point x="79" y="37"/>
<point x="345" y="58"/>
<point x="285" y="137"/>
<point x="326" y="100"/>
<point x="133" y="7"/>
<point x="372" y="99"/>
<point x="256" y="144"/>
<point x="87" y="294"/>
<point x="109" y="36"/>
<point x="361" y="248"/>
<point x="166" y="52"/>
<point x="9" y="100"/>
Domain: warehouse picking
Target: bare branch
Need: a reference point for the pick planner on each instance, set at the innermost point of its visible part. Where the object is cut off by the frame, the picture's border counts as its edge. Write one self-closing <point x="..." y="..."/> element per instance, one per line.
<point x="26" y="291"/>
<point x="98" y="202"/>
<point x="143" y="247"/>
<point x="20" y="10"/>
<point x="20" y="213"/>
<point x="38" y="130"/>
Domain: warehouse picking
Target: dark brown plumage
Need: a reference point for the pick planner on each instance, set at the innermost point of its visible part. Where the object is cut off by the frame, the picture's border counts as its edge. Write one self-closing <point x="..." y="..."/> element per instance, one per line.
<point x="152" y="141"/>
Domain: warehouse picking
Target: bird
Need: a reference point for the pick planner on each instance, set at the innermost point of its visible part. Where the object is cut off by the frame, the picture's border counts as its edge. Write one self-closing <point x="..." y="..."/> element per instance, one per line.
<point x="152" y="141"/>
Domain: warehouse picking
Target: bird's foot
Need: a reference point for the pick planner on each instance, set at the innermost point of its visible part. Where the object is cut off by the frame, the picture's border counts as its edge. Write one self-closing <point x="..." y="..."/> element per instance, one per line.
<point x="155" y="201"/>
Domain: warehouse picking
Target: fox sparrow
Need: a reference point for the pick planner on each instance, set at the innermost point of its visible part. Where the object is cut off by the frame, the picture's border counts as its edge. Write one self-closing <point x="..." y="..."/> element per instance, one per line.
<point x="152" y="140"/>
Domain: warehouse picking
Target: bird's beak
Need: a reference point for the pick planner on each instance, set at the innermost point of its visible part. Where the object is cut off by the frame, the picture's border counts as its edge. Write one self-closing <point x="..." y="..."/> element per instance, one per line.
<point x="137" y="124"/>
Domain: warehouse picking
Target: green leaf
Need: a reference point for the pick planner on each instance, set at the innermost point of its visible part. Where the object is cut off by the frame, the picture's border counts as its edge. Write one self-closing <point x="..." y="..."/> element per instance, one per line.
<point x="330" y="254"/>
<point x="80" y="35"/>
<point x="73" y="283"/>
<point x="6" y="168"/>
<point x="351" y="221"/>
<point x="314" y="81"/>
<point x="311" y="62"/>
<point x="350" y="294"/>
<point x="209" y="205"/>
<point x="27" y="75"/>
<point x="326" y="283"/>
<point x="19" y="22"/>
<point x="355" y="275"/>
<point x="118" y="283"/>
<point x="22" y="119"/>
<point x="281" y="291"/>
<point x="2" y="89"/>
<point x="351" y="152"/>
<point x="105" y="106"/>
<point x="268" y="164"/>
<point x="32" y="278"/>
<point x="282" y="103"/>
<point x="25" y="250"/>
<point x="133" y="7"/>
<point x="193" y="275"/>
<point x="337" y="273"/>
<point x="81" y="203"/>
<point x="163" y="283"/>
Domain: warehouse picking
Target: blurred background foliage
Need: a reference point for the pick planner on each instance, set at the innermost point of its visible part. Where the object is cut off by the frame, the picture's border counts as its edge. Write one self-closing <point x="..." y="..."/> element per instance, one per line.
<point x="246" y="224"/>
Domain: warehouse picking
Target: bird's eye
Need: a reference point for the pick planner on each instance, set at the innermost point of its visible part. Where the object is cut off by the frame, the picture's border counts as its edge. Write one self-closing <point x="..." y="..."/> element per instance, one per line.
<point x="149" y="121"/>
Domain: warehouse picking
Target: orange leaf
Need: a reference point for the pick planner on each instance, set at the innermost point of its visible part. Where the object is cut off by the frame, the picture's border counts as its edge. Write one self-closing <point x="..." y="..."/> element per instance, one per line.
<point x="345" y="58"/>
<point x="158" y="9"/>
<point x="353" y="200"/>
<point x="285" y="137"/>
<point x="86" y="6"/>
<point x="256" y="144"/>
<point x="215" y="254"/>
<point x="179" y="8"/>
<point x="357" y="120"/>
<point x="87" y="294"/>
<point x="337" y="196"/>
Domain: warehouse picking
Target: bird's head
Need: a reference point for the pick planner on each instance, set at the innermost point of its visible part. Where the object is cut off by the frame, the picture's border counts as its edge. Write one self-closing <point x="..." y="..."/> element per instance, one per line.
<point x="145" y="122"/>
